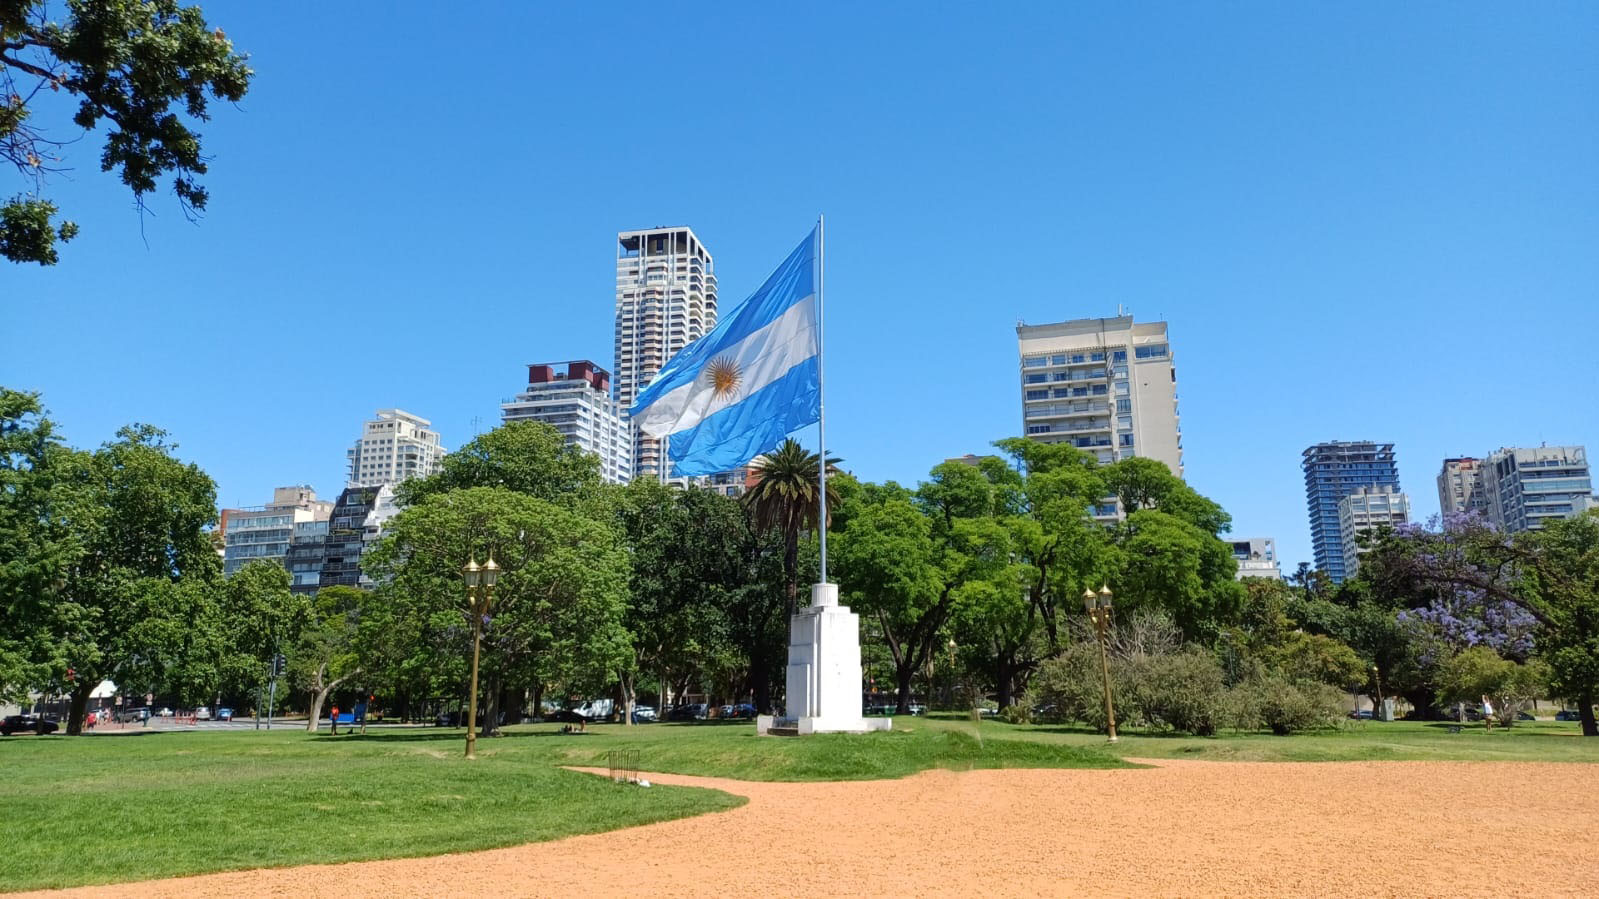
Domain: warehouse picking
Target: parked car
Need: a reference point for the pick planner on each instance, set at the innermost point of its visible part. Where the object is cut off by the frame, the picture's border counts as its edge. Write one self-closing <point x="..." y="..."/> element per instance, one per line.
<point x="1361" y="714"/>
<point x="696" y="711"/>
<point x="1568" y="715"/>
<point x="450" y="719"/>
<point x="917" y="708"/>
<point x="643" y="714"/>
<point x="132" y="713"/>
<point x="742" y="710"/>
<point x="202" y="714"/>
<point x="16" y="724"/>
<point x="224" y="714"/>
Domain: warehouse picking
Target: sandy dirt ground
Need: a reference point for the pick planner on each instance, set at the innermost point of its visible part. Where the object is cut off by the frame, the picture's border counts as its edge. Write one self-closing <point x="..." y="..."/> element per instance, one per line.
<point x="1178" y="829"/>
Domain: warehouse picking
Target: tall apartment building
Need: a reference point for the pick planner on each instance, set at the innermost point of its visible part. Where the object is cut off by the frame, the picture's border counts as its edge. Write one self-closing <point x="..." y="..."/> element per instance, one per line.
<point x="1257" y="557"/>
<point x="356" y="522"/>
<point x="665" y="300"/>
<point x="1334" y="470"/>
<point x="308" y="549"/>
<point x="575" y="399"/>
<point x="264" y="532"/>
<point x="1460" y="487"/>
<point x="394" y="447"/>
<point x="1527" y="486"/>
<point x="1367" y="510"/>
<point x="1107" y="386"/>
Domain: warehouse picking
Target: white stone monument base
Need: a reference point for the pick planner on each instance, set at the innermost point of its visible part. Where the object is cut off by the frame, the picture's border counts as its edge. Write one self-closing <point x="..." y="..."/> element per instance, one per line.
<point x="824" y="669"/>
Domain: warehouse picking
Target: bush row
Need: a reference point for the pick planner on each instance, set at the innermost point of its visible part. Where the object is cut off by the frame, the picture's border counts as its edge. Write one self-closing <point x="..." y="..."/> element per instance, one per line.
<point x="1181" y="690"/>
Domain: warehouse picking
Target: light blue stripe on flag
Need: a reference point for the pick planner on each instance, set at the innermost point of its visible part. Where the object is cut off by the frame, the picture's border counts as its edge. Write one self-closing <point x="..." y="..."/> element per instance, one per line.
<point x="737" y="391"/>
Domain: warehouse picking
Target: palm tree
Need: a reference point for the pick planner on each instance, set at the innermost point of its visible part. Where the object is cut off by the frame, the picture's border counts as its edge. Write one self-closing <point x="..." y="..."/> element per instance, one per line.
<point x="784" y="498"/>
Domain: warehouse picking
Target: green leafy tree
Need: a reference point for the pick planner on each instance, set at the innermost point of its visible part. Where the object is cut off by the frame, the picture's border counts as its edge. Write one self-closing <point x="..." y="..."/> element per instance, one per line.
<point x="138" y="68"/>
<point x="786" y="499"/>
<point x="259" y="618"/>
<point x="1550" y="574"/>
<point x="888" y="565"/>
<point x="689" y="551"/>
<point x="36" y="543"/>
<point x="529" y="457"/>
<point x="557" y="612"/>
<point x="127" y="591"/>
<point x="328" y="652"/>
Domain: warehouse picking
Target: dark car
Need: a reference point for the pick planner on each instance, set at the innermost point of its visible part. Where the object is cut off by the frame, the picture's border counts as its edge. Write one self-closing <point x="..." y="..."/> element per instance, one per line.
<point x="15" y="724"/>
<point x="450" y="719"/>
<point x="693" y="712"/>
<point x="1568" y="715"/>
<point x="224" y="714"/>
<point x="742" y="710"/>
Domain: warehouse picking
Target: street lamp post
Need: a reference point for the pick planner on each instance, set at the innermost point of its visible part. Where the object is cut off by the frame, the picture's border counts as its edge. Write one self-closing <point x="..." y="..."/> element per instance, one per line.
<point x="480" y="581"/>
<point x="1098" y="608"/>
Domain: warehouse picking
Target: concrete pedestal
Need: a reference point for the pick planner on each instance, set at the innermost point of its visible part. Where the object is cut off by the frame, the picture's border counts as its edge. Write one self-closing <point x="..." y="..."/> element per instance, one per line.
<point x="824" y="668"/>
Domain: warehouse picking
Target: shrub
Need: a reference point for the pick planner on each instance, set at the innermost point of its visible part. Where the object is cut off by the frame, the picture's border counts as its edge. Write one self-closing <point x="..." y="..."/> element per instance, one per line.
<point x="1183" y="691"/>
<point x="1283" y="706"/>
<point x="1018" y="713"/>
<point x="1070" y="683"/>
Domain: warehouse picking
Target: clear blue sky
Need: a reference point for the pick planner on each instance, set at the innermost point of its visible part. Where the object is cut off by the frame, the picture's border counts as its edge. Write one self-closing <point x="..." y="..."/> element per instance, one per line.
<point x="1360" y="220"/>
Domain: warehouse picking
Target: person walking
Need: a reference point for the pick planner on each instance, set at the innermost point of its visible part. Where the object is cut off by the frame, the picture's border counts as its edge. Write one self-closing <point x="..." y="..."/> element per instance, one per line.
<point x="334" y="720"/>
<point x="1487" y="714"/>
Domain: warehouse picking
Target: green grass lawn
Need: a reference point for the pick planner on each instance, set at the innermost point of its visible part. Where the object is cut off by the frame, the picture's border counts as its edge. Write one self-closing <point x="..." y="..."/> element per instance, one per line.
<point x="1528" y="741"/>
<point x="107" y="809"/>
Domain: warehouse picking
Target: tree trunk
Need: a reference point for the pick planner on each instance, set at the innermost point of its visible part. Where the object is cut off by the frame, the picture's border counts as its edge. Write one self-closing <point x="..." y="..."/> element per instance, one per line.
<point x="625" y="686"/>
<point x="319" y="695"/>
<point x="760" y="678"/>
<point x="791" y="572"/>
<point x="902" y="686"/>
<point x="1590" y="728"/>
<point x="538" y="701"/>
<point x="488" y="712"/>
<point x="78" y="710"/>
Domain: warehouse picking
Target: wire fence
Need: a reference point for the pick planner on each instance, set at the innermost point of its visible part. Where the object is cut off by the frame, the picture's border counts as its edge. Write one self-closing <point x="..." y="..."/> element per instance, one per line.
<point x="623" y="764"/>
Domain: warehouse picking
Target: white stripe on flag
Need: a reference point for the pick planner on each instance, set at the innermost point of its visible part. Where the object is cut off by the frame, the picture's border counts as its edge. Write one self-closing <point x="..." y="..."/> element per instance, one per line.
<point x="761" y="358"/>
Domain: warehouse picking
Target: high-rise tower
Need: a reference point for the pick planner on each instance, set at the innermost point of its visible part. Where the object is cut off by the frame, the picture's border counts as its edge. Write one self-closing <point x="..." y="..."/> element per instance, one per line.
<point x="665" y="300"/>
<point x="1107" y="386"/>
<point x="1333" y="471"/>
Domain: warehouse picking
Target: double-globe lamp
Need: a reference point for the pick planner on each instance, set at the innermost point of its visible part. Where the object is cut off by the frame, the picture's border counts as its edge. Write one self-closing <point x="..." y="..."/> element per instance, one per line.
<point x="480" y="581"/>
<point x="1097" y="605"/>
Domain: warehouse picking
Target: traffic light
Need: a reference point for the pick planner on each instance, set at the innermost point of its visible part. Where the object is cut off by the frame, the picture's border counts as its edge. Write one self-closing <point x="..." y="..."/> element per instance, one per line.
<point x="277" y="665"/>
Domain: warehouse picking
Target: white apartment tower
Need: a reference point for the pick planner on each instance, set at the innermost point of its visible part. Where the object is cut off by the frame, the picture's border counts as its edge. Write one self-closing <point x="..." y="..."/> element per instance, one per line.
<point x="1107" y="386"/>
<point x="395" y="446"/>
<point x="575" y="399"/>
<point x="1367" y="510"/>
<point x="665" y="300"/>
<point x="1526" y="486"/>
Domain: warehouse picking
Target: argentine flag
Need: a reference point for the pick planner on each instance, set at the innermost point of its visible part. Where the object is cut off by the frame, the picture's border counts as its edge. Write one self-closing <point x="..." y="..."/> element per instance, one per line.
<point x="739" y="390"/>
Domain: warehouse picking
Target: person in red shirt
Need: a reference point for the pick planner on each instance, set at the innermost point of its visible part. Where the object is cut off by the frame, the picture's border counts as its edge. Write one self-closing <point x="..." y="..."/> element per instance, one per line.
<point x="334" y="720"/>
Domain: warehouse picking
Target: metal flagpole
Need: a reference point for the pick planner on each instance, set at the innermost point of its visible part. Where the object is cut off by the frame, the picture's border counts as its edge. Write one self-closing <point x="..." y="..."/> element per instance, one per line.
<point x="821" y="409"/>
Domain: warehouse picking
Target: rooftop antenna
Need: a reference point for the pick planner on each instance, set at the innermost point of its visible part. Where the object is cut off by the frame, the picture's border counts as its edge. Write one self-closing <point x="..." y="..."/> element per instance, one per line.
<point x="477" y="425"/>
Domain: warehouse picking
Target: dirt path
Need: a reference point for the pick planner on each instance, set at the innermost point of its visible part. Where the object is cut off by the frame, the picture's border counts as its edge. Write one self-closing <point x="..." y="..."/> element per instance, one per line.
<point x="1181" y="829"/>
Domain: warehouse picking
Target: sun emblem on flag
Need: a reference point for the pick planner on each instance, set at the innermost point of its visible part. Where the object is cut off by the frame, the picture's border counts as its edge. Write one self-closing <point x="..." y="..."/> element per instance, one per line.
<point x="723" y="376"/>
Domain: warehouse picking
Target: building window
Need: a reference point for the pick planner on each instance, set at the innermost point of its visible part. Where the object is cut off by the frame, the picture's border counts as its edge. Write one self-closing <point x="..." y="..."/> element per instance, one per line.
<point x="1126" y="440"/>
<point x="1097" y="357"/>
<point x="1058" y="360"/>
<point x="1153" y="351"/>
<point x="1038" y="429"/>
<point x="1124" y="404"/>
<point x="1038" y="394"/>
<point x="1034" y="361"/>
<point x="1119" y="356"/>
<point x="1038" y="378"/>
